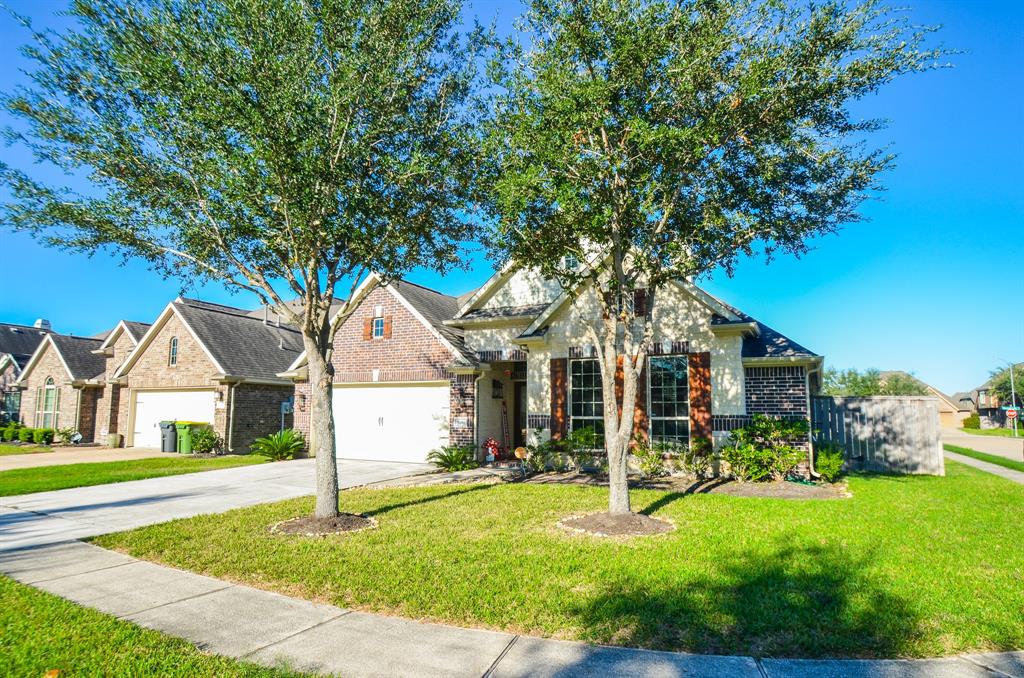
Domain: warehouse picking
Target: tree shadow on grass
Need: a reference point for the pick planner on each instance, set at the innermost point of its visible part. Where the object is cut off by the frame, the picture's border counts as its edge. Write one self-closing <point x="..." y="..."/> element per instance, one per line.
<point x="794" y="601"/>
<point x="427" y="500"/>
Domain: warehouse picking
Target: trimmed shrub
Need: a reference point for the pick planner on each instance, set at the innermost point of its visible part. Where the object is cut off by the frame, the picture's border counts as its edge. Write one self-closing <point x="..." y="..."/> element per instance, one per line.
<point x="761" y="450"/>
<point x="972" y="421"/>
<point x="651" y="460"/>
<point x="205" y="440"/>
<point x="64" y="435"/>
<point x="828" y="461"/>
<point x="26" y="435"/>
<point x="454" y="457"/>
<point x="43" y="436"/>
<point x="281" y="445"/>
<point x="10" y="432"/>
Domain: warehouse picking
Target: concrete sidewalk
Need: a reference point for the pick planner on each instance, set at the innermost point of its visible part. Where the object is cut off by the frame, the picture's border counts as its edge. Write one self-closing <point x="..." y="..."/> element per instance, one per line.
<point x="995" y="469"/>
<point x="274" y="630"/>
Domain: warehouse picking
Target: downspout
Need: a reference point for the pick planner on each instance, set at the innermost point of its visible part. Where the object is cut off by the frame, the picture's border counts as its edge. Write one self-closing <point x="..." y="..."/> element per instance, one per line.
<point x="78" y="409"/>
<point x="476" y="413"/>
<point x="810" y="436"/>
<point x="231" y="416"/>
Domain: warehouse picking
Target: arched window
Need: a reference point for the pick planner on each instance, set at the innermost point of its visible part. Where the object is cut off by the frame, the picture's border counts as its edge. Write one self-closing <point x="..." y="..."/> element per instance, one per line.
<point x="172" y="352"/>
<point x="47" y="404"/>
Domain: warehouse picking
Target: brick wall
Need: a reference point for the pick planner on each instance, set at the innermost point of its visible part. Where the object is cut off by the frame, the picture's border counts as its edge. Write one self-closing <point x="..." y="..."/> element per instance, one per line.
<point x="50" y="365"/>
<point x="111" y="401"/>
<point x="776" y="391"/>
<point x="257" y="413"/>
<point x="410" y="353"/>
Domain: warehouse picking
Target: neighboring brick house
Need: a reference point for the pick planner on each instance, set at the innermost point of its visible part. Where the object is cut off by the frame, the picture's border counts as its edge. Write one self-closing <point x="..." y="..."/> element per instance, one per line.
<point x="511" y="361"/>
<point x="17" y="344"/>
<point x="61" y="384"/>
<point x="111" y="406"/>
<point x="208" y="363"/>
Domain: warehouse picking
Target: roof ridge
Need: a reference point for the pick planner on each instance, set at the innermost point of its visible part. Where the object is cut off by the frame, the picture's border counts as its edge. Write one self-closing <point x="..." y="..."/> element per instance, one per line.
<point x="403" y="281"/>
<point x="26" y="327"/>
<point x="237" y="313"/>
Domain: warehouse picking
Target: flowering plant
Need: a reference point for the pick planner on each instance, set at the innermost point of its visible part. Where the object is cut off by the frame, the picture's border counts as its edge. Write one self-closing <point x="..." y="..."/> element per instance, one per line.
<point x="492" y="448"/>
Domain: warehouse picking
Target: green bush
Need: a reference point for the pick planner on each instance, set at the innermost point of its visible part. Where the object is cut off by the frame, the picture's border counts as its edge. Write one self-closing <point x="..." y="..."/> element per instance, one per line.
<point x="693" y="459"/>
<point x="43" y="436"/>
<point x="205" y="440"/>
<point x="828" y="461"/>
<point x="762" y="449"/>
<point x="281" y="445"/>
<point x="543" y="454"/>
<point x="583" y="446"/>
<point x="650" y="459"/>
<point x="26" y="435"/>
<point x="454" y="457"/>
<point x="64" y="435"/>
<point x="10" y="432"/>
<point x="972" y="421"/>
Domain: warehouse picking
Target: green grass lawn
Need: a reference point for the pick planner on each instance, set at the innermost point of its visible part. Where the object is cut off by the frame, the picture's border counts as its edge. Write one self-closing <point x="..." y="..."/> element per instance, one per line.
<point x="42" y="632"/>
<point x="45" y="478"/>
<point x="983" y="456"/>
<point x="910" y="566"/>
<point x="22" y="449"/>
<point x="1000" y="432"/>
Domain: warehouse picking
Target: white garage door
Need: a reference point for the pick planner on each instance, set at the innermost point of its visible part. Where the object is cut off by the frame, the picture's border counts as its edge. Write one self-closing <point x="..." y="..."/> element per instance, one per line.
<point x="390" y="423"/>
<point x="152" y="407"/>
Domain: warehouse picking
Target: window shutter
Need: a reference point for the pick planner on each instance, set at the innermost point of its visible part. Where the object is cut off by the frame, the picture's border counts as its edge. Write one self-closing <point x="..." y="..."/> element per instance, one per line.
<point x="387" y="326"/>
<point x="39" y="407"/>
<point x="367" y="329"/>
<point x="700" y="396"/>
<point x="559" y="397"/>
<point x="641" y="424"/>
<point x="56" y="409"/>
<point x="640" y="303"/>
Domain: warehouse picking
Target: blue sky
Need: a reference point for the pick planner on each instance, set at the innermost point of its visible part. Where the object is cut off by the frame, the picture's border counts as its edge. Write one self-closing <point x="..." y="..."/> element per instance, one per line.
<point x="925" y="285"/>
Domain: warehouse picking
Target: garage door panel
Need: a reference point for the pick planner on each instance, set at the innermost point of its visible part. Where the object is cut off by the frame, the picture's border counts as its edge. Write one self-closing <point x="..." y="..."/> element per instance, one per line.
<point x="152" y="407"/>
<point x="390" y="423"/>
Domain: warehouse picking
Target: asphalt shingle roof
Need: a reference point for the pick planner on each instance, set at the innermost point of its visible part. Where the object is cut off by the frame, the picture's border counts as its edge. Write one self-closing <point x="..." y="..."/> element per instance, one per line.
<point x="20" y="341"/>
<point x="242" y="344"/>
<point x="524" y="311"/>
<point x="769" y="344"/>
<point x="137" y="329"/>
<point x="77" y="353"/>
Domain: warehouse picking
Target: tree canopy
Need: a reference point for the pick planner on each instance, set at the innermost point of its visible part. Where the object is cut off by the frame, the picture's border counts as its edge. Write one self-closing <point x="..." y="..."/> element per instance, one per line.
<point x="871" y="382"/>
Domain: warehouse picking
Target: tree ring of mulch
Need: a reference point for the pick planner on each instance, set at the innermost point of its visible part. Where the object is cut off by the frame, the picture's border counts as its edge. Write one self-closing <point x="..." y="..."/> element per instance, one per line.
<point x="311" y="526"/>
<point x="606" y="524"/>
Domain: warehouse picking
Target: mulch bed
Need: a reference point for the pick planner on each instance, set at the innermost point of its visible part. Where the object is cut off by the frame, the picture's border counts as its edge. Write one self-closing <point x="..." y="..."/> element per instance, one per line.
<point x="311" y="526"/>
<point x="616" y="525"/>
<point x="688" y="485"/>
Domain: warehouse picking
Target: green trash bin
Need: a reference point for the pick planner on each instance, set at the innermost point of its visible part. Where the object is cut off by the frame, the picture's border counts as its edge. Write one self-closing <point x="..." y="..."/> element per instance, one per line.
<point x="184" y="429"/>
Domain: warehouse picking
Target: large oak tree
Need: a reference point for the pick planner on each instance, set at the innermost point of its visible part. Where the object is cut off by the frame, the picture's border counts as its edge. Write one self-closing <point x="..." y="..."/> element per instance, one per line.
<point x="284" y="147"/>
<point x="662" y="139"/>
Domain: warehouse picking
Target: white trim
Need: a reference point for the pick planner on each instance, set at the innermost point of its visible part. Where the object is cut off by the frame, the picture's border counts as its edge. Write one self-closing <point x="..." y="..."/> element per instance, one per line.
<point x="459" y="358"/>
<point x="486" y="288"/>
<point x="736" y="329"/>
<point x="782" y="360"/>
<point x="119" y="327"/>
<point x="35" y="358"/>
<point x="8" y="358"/>
<point x="151" y="334"/>
<point x="708" y="300"/>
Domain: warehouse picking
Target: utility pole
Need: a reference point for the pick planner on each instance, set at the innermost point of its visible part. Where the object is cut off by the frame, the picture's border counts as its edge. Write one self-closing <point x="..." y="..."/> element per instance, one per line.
<point x="1013" y="398"/>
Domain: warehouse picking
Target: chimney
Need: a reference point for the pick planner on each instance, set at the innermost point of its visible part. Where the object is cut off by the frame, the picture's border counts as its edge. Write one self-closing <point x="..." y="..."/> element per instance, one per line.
<point x="266" y="309"/>
<point x="42" y="324"/>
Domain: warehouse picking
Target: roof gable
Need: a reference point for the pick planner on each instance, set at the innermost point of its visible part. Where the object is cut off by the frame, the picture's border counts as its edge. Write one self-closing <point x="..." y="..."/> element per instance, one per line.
<point x="75" y="354"/>
<point x="20" y="342"/>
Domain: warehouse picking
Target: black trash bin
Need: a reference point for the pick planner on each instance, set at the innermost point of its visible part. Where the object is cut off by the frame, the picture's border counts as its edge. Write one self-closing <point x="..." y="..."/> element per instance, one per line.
<point x="168" y="437"/>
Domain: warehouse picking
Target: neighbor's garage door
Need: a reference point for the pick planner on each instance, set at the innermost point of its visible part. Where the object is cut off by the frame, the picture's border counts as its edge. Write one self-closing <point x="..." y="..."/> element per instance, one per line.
<point x="390" y="423"/>
<point x="152" y="407"/>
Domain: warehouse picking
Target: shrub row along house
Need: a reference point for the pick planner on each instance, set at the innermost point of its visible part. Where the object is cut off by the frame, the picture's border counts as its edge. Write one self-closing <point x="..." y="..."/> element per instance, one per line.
<point x="416" y="369"/>
<point x="197" y="362"/>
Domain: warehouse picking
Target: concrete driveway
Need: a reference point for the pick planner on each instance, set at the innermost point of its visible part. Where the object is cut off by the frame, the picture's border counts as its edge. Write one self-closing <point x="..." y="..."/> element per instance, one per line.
<point x="1011" y="448"/>
<point x="50" y="517"/>
<point x="77" y="455"/>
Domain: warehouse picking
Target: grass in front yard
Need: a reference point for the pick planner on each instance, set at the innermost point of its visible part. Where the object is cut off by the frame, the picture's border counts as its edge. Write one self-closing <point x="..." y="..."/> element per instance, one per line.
<point x="22" y="449"/>
<point x="1000" y="432"/>
<point x="46" y="478"/>
<point x="43" y="632"/>
<point x="984" y="456"/>
<point x="910" y="566"/>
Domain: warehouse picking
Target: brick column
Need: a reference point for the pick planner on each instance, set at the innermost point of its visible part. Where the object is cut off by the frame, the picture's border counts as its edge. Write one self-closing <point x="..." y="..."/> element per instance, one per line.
<point x="559" y="397"/>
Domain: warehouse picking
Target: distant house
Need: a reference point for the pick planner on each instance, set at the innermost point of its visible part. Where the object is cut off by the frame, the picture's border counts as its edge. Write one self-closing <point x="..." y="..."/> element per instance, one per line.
<point x="951" y="410"/>
<point x="983" y="401"/>
<point x="17" y="344"/>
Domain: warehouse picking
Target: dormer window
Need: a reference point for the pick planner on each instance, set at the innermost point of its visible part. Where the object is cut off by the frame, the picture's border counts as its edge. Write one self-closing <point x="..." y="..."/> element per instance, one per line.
<point x="172" y="352"/>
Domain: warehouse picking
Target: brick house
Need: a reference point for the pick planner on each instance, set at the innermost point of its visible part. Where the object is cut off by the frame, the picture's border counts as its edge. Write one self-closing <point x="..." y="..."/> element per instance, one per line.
<point x="17" y="344"/>
<point x="415" y="369"/>
<point x="61" y="384"/>
<point x="208" y="363"/>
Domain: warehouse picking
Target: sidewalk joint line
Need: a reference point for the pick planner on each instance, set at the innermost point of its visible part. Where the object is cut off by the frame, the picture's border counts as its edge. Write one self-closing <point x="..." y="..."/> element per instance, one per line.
<point x="760" y="667"/>
<point x="78" y="574"/>
<point x="173" y="602"/>
<point x="341" y="614"/>
<point x="984" y="666"/>
<point x="501" y="655"/>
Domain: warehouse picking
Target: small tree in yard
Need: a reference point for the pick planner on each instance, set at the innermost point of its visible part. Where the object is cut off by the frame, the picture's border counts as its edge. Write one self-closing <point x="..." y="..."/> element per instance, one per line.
<point x="282" y="147"/>
<point x="659" y="140"/>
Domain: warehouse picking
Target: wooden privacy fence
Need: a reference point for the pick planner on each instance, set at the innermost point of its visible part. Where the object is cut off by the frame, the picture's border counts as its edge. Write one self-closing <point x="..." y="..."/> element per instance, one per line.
<point x="896" y="434"/>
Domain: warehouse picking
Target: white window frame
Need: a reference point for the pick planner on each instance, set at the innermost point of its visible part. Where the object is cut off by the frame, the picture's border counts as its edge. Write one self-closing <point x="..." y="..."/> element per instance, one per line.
<point x="172" y="352"/>
<point x="41" y="411"/>
<point x="650" y="400"/>
<point x="378" y="322"/>
<point x="599" y="417"/>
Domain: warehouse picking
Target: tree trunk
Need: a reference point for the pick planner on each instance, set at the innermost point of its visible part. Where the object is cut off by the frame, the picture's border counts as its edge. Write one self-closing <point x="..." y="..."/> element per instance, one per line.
<point x="321" y="430"/>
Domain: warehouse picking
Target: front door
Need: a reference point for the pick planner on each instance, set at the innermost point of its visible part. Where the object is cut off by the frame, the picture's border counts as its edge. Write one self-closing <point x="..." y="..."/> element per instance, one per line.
<point x="519" y="415"/>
